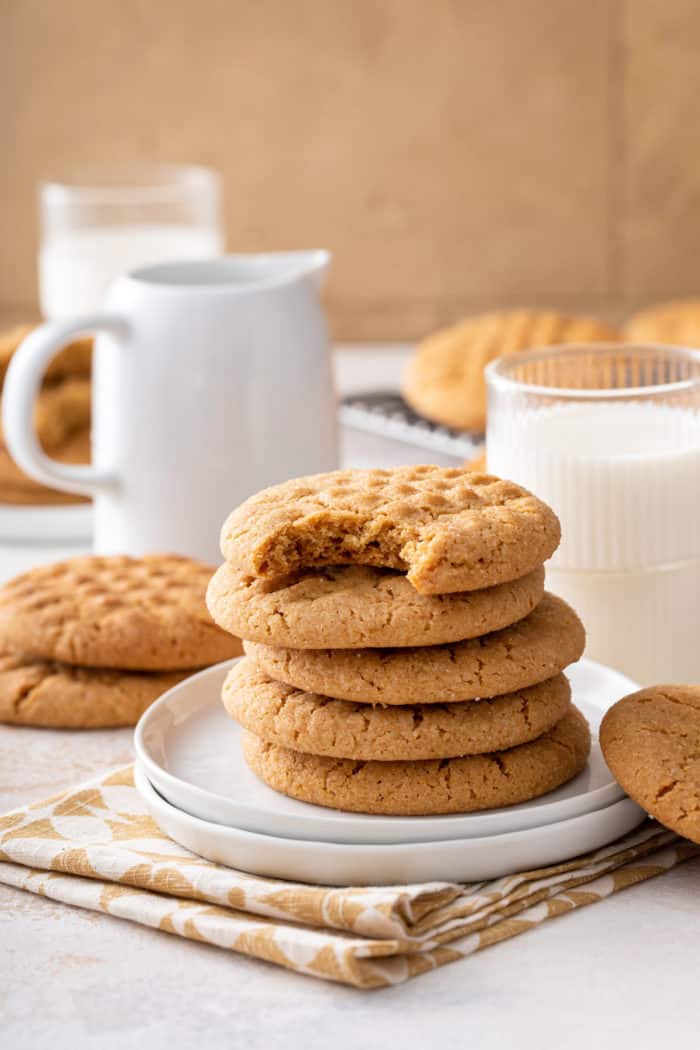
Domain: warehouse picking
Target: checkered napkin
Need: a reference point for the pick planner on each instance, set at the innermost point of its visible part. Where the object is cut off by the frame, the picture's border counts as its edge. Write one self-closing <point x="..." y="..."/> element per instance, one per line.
<point x="95" y="846"/>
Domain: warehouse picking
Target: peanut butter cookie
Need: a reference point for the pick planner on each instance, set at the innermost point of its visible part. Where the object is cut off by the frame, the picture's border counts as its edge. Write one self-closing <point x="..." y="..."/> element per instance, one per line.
<point x="445" y="378"/>
<point x="478" y="464"/>
<point x="322" y="726"/>
<point x="74" y="360"/>
<point x="62" y="411"/>
<point x="55" y="696"/>
<point x="17" y="488"/>
<point x="524" y="654"/>
<point x="358" y="606"/>
<point x="676" y="323"/>
<point x="450" y="785"/>
<point x="449" y="530"/>
<point x="651" y="741"/>
<point x="137" y="614"/>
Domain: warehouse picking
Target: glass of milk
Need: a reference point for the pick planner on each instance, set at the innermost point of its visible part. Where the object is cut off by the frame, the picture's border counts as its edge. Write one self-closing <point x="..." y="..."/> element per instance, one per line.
<point x="100" y="225"/>
<point x="609" y="436"/>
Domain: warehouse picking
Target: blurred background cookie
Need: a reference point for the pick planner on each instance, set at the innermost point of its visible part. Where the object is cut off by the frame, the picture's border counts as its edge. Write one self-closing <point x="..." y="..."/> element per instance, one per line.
<point x="677" y="323"/>
<point x="61" y="411"/>
<point x="444" y="380"/>
<point x="478" y="464"/>
<point x="74" y="360"/>
<point x="17" y="488"/>
<point x="61" y="420"/>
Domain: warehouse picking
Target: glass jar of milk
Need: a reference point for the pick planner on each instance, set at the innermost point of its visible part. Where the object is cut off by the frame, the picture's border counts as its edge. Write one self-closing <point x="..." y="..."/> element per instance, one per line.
<point x="99" y="226"/>
<point x="609" y="436"/>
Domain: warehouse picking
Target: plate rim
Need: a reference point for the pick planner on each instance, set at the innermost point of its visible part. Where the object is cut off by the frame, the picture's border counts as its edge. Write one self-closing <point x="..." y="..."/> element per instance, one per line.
<point x="506" y="838"/>
<point x="254" y="814"/>
<point x="45" y="522"/>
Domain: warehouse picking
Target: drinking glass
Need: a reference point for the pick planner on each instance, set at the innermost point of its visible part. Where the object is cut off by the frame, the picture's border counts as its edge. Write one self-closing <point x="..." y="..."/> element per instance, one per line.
<point x="609" y="436"/>
<point x="101" y="224"/>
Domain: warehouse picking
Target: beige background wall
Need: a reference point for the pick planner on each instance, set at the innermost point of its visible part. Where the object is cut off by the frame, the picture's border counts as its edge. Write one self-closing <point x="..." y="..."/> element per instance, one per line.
<point x="454" y="154"/>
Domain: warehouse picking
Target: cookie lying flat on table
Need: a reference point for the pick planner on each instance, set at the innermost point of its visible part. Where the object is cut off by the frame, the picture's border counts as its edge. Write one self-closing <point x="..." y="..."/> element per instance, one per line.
<point x="448" y="529"/>
<point x="450" y="785"/>
<point x="319" y="725"/>
<point x="651" y="742"/>
<point x="524" y="654"/>
<point x="55" y="696"/>
<point x="137" y="614"/>
<point x="445" y="377"/>
<point x="677" y="323"/>
<point x="358" y="606"/>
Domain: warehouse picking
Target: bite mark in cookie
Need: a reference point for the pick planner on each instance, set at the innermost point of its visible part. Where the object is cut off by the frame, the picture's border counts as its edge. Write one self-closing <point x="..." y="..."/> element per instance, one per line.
<point x="449" y="530"/>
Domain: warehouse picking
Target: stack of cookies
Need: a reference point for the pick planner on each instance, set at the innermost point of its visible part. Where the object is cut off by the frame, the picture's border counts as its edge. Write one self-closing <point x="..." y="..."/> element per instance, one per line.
<point x="61" y="419"/>
<point x="91" y="642"/>
<point x="402" y="656"/>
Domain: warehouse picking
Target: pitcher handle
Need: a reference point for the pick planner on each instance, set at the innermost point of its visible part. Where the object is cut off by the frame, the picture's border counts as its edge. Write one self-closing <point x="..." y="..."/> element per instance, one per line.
<point x="21" y="387"/>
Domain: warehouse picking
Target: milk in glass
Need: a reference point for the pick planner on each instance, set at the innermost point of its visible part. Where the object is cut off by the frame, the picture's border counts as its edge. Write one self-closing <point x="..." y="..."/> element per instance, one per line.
<point x="624" y="478"/>
<point x="76" y="266"/>
<point x="104" y="223"/>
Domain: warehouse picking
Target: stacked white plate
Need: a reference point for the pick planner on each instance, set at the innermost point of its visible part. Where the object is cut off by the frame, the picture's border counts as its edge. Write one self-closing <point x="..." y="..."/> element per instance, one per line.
<point x="191" y="774"/>
<point x="46" y="524"/>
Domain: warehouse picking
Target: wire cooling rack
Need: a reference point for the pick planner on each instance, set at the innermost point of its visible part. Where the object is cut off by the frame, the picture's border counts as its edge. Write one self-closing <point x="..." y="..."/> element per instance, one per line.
<point x="386" y="414"/>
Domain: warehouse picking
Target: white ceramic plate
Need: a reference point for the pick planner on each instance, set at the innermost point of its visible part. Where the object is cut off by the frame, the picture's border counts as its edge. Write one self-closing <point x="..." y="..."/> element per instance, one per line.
<point x="47" y="524"/>
<point x="190" y="751"/>
<point x="348" y="864"/>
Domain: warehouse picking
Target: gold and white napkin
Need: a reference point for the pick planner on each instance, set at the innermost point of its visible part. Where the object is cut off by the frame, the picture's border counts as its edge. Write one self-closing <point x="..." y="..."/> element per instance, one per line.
<point x="95" y="846"/>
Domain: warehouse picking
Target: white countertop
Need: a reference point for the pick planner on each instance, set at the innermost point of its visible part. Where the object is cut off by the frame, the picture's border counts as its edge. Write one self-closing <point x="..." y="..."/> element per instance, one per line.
<point x="622" y="973"/>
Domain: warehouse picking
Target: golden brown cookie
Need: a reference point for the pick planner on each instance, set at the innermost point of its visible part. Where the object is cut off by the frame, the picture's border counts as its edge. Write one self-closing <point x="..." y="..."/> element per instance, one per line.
<point x="448" y="529"/>
<point x="444" y="380"/>
<point x="56" y="696"/>
<point x="478" y="464"/>
<point x="675" y="323"/>
<point x="651" y="741"/>
<point x="322" y="726"/>
<point x="61" y="420"/>
<point x="524" y="654"/>
<point x="62" y="411"/>
<point x="31" y="494"/>
<point x="74" y="360"/>
<point x="136" y="614"/>
<point x="356" y="606"/>
<point x="448" y="785"/>
<point x="17" y="488"/>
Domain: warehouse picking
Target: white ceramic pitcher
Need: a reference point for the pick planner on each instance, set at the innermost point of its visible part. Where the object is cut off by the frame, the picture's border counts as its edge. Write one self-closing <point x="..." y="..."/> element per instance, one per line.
<point x="211" y="379"/>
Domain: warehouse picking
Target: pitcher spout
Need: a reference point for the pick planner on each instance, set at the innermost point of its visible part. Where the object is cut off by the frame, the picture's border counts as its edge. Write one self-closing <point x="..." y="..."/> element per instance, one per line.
<point x="240" y="274"/>
<point x="313" y="264"/>
<point x="320" y="264"/>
